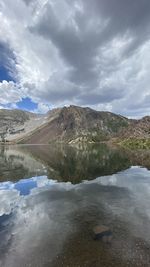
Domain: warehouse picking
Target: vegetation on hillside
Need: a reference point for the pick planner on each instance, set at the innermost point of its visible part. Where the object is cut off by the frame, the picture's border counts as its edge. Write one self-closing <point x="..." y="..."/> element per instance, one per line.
<point x="136" y="143"/>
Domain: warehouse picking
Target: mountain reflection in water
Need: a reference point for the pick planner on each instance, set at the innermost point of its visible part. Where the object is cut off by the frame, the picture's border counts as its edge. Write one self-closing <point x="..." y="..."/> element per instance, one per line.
<point x="63" y="163"/>
<point x="51" y="198"/>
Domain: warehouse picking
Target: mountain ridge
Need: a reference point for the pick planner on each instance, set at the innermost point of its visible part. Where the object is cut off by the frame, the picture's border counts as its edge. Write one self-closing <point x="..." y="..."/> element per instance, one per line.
<point x="69" y="124"/>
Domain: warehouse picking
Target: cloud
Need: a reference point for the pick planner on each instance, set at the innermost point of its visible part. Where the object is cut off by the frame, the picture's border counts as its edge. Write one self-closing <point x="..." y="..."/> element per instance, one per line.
<point x="9" y="198"/>
<point x="54" y="211"/>
<point x="42" y="108"/>
<point x="9" y="92"/>
<point x="84" y="53"/>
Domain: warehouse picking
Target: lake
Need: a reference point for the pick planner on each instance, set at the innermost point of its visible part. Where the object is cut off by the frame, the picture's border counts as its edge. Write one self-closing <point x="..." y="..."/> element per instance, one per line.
<point x="51" y="198"/>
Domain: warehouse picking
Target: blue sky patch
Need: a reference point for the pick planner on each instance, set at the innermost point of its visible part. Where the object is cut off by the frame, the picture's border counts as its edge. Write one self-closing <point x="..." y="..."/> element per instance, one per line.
<point x="25" y="186"/>
<point x="4" y="74"/>
<point x="27" y="104"/>
<point x="6" y="59"/>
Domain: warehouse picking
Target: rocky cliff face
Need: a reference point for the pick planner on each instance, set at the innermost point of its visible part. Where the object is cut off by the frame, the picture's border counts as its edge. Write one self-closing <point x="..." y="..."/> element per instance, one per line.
<point x="17" y="123"/>
<point x="69" y="124"/>
<point x="76" y="124"/>
<point x="138" y="129"/>
<point x="11" y="118"/>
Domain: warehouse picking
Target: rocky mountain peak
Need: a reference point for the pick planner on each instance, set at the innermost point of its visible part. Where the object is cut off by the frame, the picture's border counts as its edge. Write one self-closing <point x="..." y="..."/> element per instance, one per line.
<point x="69" y="124"/>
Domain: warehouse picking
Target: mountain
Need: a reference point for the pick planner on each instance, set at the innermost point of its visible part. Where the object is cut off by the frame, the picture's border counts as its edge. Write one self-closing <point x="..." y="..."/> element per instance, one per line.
<point x="138" y="129"/>
<point x="75" y="124"/>
<point x="69" y="124"/>
<point x="18" y="123"/>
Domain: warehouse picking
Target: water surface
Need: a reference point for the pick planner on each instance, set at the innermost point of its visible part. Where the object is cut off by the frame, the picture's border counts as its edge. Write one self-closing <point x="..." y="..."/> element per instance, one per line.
<point x="53" y="196"/>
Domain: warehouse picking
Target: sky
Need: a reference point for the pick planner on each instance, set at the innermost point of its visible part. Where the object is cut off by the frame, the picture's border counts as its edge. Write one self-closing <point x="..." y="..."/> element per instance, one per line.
<point x="93" y="53"/>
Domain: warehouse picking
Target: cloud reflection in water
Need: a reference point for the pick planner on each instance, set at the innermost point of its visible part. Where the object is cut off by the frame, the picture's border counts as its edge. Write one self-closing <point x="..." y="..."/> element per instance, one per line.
<point x="43" y="213"/>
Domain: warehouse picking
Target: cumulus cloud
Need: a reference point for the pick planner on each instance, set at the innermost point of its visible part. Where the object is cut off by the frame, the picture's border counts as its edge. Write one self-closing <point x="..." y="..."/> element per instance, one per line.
<point x="80" y="52"/>
<point x="9" y="92"/>
<point x="42" y="108"/>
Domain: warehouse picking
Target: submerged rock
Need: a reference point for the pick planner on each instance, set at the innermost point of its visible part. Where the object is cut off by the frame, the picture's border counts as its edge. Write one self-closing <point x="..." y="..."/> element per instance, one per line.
<point x="102" y="232"/>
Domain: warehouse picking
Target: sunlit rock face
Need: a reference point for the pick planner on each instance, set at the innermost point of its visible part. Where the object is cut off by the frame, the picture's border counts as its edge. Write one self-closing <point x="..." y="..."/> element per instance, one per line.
<point x="71" y="125"/>
<point x="67" y="124"/>
<point x="14" y="124"/>
<point x="75" y="124"/>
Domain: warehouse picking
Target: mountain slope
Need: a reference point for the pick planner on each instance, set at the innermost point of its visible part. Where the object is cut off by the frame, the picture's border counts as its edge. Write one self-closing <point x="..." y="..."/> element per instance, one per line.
<point x="138" y="129"/>
<point x="69" y="124"/>
<point x="72" y="124"/>
<point x="17" y="123"/>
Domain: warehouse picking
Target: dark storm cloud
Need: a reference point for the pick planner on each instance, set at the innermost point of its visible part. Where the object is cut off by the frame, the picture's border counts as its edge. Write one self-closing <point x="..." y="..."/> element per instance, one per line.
<point x="80" y="41"/>
<point x="28" y="1"/>
<point x="124" y="14"/>
<point x="107" y="95"/>
<point x="77" y="49"/>
<point x="58" y="95"/>
<point x="140" y="104"/>
<point x="81" y="51"/>
<point x="132" y="16"/>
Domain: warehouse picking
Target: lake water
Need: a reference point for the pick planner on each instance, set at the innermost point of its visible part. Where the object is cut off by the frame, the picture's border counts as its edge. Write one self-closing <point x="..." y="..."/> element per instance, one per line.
<point x="51" y="197"/>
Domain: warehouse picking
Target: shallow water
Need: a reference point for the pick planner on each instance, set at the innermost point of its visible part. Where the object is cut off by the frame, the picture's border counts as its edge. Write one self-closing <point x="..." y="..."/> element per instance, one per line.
<point x="52" y="197"/>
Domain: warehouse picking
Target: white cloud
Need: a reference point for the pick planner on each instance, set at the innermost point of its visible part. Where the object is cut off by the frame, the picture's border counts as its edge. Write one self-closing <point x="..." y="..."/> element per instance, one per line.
<point x="45" y="218"/>
<point x="9" y="199"/>
<point x="9" y="92"/>
<point x="63" y="57"/>
<point x="42" y="108"/>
